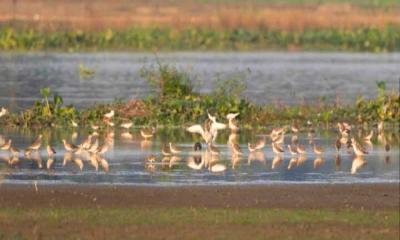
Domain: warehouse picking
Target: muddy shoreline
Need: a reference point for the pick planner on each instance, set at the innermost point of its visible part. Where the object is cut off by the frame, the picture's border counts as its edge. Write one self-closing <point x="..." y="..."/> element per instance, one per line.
<point x="307" y="196"/>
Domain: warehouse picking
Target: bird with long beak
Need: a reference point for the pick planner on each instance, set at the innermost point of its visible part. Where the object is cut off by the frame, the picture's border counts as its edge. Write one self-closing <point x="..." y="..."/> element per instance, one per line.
<point x="3" y="112"/>
<point x="276" y="132"/>
<point x="69" y="147"/>
<point x="204" y="132"/>
<point x="147" y="133"/>
<point x="166" y="151"/>
<point x="232" y="123"/>
<point x="6" y="145"/>
<point x="214" y="126"/>
<point x="277" y="149"/>
<point x="14" y="151"/>
<point x="236" y="149"/>
<point x="36" y="144"/>
<point x="109" y="115"/>
<point x="295" y="128"/>
<point x="50" y="151"/>
<point x="126" y="125"/>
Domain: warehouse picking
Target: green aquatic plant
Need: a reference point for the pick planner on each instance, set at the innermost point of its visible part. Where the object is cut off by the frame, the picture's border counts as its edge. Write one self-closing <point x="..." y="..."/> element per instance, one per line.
<point x="45" y="112"/>
<point x="168" y="81"/>
<point x="176" y="103"/>
<point x="84" y="71"/>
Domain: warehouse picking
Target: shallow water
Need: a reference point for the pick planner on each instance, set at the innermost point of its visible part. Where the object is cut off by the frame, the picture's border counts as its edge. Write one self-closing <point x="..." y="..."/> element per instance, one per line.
<point x="270" y="77"/>
<point x="125" y="163"/>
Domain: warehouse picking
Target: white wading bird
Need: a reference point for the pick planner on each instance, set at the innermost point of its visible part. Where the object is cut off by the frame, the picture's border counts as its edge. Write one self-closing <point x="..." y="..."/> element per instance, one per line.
<point x="232" y="123"/>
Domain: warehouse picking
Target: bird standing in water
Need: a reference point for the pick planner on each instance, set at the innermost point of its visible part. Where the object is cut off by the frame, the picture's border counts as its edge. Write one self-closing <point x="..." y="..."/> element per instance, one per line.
<point x="50" y="151"/>
<point x="36" y="144"/>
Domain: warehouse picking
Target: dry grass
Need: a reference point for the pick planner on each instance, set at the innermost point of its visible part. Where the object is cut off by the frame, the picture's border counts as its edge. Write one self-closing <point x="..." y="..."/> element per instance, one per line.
<point x="118" y="14"/>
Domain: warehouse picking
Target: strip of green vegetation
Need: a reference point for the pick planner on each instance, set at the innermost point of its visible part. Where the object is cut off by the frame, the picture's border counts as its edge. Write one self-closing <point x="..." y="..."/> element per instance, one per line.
<point x="189" y="223"/>
<point x="368" y="39"/>
<point x="117" y="216"/>
<point x="177" y="104"/>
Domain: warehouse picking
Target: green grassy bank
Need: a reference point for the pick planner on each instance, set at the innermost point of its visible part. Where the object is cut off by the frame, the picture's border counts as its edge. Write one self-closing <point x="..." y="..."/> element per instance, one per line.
<point x="368" y="39"/>
<point x="189" y="223"/>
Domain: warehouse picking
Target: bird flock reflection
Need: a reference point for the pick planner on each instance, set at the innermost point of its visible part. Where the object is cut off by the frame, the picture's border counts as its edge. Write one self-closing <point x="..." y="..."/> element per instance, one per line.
<point x="212" y="146"/>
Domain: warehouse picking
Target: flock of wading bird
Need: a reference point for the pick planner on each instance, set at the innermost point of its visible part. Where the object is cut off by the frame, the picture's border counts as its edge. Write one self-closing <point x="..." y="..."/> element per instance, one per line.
<point x="91" y="150"/>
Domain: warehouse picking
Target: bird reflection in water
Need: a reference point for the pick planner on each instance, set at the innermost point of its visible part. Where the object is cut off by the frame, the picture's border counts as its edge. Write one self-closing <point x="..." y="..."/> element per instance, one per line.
<point x="145" y="144"/>
<point x="301" y="160"/>
<point x="318" y="162"/>
<point x="256" y="156"/>
<point x="338" y="161"/>
<point x="276" y="161"/>
<point x="357" y="164"/>
<point x="195" y="162"/>
<point x="35" y="157"/>
<point x="292" y="163"/>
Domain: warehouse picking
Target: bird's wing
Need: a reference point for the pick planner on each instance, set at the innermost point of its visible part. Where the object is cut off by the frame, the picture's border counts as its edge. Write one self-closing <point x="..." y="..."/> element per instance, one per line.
<point x="195" y="129"/>
<point x="217" y="126"/>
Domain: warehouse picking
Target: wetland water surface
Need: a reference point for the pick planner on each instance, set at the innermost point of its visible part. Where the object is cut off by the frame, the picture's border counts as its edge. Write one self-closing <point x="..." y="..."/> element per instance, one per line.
<point x="285" y="77"/>
<point x="125" y="162"/>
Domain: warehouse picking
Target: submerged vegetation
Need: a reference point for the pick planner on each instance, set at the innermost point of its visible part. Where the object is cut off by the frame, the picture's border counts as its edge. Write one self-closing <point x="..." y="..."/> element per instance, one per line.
<point x="369" y="39"/>
<point x="177" y="103"/>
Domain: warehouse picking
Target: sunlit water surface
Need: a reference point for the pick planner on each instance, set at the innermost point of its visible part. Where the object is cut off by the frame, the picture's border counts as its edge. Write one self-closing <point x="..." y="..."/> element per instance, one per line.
<point x="125" y="162"/>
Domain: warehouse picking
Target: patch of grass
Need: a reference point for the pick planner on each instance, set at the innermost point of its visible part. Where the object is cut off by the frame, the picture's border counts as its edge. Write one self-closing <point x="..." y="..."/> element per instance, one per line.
<point x="221" y="222"/>
<point x="160" y="216"/>
<point x="364" y="39"/>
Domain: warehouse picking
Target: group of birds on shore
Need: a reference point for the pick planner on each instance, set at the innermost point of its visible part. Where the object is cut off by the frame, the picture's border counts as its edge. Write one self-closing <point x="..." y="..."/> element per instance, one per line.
<point x="91" y="150"/>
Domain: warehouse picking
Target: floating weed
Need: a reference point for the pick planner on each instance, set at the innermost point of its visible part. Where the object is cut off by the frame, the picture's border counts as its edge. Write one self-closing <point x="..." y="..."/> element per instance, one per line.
<point x="84" y="71"/>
